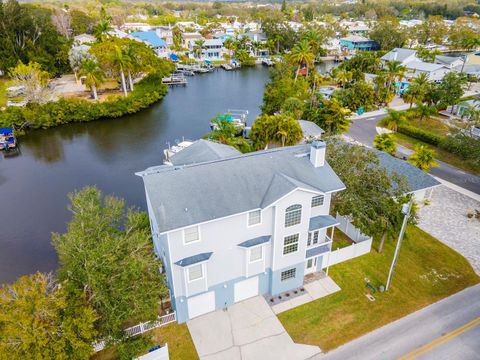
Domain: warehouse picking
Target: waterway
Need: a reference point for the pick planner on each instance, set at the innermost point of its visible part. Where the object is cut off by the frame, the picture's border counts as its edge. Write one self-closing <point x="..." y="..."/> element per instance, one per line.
<point x="106" y="153"/>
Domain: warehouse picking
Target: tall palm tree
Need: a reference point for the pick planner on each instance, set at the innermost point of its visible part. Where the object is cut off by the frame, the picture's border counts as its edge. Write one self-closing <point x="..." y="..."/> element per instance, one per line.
<point x="131" y="63"/>
<point x="315" y="40"/>
<point x="423" y="158"/>
<point x="93" y="76"/>
<point x="198" y="48"/>
<point x="120" y="63"/>
<point x="229" y="44"/>
<point x="301" y="55"/>
<point x="421" y="79"/>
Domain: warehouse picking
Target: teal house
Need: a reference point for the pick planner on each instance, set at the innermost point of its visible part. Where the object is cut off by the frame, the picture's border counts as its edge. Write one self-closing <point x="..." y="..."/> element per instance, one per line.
<point x="356" y="42"/>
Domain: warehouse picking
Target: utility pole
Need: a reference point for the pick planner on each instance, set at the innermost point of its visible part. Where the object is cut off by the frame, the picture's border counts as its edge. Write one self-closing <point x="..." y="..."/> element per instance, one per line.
<point x="406" y="209"/>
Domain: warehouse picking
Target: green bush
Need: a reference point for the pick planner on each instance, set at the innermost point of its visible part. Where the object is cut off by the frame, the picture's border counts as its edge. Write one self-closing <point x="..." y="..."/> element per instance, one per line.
<point x="422" y="135"/>
<point x="64" y="111"/>
<point x="467" y="147"/>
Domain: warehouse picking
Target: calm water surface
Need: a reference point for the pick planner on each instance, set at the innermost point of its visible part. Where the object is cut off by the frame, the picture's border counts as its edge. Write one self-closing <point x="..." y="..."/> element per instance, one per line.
<point x="106" y="153"/>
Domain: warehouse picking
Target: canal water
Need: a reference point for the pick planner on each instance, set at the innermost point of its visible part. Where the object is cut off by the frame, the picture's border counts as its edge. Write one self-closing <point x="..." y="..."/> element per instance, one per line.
<point x="105" y="153"/>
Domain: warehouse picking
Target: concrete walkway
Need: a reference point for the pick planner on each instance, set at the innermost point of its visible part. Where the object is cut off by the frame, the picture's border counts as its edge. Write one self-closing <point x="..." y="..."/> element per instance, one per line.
<point x="314" y="290"/>
<point x="248" y="330"/>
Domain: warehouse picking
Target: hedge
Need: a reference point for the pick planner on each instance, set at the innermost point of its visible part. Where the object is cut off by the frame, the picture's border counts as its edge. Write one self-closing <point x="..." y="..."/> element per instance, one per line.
<point x="64" y="111"/>
<point x="420" y="134"/>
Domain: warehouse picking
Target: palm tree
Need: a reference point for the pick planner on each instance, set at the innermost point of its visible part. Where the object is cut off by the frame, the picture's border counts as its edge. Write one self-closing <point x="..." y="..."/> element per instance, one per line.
<point x="131" y="64"/>
<point x="93" y="76"/>
<point x="395" y="71"/>
<point x="344" y="77"/>
<point x="423" y="158"/>
<point x="315" y="40"/>
<point x="393" y="120"/>
<point x="229" y="44"/>
<point x="385" y="142"/>
<point x="120" y="63"/>
<point x="301" y="55"/>
<point x="102" y="29"/>
<point x="425" y="111"/>
<point x="198" y="48"/>
<point x="421" y="80"/>
<point x="294" y="106"/>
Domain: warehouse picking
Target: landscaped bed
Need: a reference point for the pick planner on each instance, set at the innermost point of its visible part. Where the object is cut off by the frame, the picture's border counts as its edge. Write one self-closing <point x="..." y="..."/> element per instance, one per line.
<point x="426" y="272"/>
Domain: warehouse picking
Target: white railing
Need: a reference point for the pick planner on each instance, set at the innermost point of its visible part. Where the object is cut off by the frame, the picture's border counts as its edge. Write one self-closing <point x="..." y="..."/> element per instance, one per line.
<point x="141" y="328"/>
<point x="349" y="252"/>
<point x="351" y="231"/>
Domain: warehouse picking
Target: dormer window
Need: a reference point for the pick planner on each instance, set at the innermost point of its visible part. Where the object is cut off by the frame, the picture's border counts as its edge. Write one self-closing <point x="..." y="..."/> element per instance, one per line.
<point x="293" y="215"/>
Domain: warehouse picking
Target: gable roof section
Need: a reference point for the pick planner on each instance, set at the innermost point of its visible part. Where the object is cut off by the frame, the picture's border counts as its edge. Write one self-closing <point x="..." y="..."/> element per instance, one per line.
<point x="150" y="37"/>
<point x="202" y="151"/>
<point x="416" y="178"/>
<point x="192" y="194"/>
<point x="423" y="66"/>
<point x="398" y="54"/>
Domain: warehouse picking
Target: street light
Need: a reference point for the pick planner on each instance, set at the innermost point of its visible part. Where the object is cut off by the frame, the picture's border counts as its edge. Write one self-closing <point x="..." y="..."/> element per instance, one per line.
<point x="406" y="209"/>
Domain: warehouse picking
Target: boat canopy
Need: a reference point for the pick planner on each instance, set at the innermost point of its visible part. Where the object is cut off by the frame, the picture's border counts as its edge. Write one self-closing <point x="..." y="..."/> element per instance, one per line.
<point x="208" y="62"/>
<point x="225" y="117"/>
<point x="173" y="57"/>
<point x="6" y="131"/>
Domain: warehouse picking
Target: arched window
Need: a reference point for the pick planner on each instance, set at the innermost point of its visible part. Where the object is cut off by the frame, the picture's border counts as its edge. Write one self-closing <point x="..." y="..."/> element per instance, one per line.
<point x="293" y="215"/>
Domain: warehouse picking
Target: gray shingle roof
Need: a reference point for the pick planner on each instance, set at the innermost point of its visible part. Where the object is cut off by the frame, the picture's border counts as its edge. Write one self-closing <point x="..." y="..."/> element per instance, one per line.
<point x="310" y="129"/>
<point x="192" y="194"/>
<point x="194" y="259"/>
<point x="201" y="151"/>
<point x="255" y="241"/>
<point x="322" y="221"/>
<point x="416" y="178"/>
<point x="317" y="250"/>
<point x="398" y="54"/>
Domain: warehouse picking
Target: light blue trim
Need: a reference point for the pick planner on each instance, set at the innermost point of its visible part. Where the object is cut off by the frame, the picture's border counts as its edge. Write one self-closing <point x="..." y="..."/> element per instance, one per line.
<point x="320" y="262"/>
<point x="278" y="286"/>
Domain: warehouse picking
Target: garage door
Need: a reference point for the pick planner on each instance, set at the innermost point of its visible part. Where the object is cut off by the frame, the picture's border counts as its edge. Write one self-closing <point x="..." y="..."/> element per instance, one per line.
<point x="246" y="289"/>
<point x="201" y="304"/>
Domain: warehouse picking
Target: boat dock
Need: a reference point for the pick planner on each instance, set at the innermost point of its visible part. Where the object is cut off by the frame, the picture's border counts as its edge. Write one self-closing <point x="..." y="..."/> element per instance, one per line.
<point x="175" y="80"/>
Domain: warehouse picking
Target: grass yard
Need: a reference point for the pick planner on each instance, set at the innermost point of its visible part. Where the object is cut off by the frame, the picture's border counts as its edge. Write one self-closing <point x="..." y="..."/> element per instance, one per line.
<point x="431" y="125"/>
<point x="180" y="343"/>
<point x="3" y="92"/>
<point x="426" y="272"/>
<point x="442" y="155"/>
<point x="340" y="240"/>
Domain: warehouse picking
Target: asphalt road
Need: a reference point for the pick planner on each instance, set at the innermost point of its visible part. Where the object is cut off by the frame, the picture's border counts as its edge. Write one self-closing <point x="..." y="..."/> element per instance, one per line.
<point x="448" y="329"/>
<point x="363" y="130"/>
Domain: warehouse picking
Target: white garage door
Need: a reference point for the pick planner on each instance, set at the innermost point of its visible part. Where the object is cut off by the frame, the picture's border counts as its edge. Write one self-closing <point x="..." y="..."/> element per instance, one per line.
<point x="201" y="304"/>
<point x="246" y="289"/>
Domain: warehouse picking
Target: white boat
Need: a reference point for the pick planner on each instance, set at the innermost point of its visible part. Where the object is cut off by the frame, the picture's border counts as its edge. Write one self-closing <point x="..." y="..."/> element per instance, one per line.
<point x="235" y="116"/>
<point x="172" y="150"/>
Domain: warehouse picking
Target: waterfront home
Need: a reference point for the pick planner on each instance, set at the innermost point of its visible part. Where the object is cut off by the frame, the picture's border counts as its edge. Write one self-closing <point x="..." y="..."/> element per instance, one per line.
<point x="152" y="39"/>
<point x="189" y="38"/>
<point x="239" y="226"/>
<point x="214" y="50"/>
<point x="165" y="33"/>
<point x="356" y="43"/>
<point x="398" y="54"/>
<point x="355" y="27"/>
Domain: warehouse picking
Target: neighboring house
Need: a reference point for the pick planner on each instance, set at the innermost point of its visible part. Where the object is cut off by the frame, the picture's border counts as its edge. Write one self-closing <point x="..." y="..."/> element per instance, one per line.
<point x="214" y="50"/>
<point x="255" y="36"/>
<point x="240" y="226"/>
<point x="435" y="72"/>
<point x="165" y="33"/>
<point x="135" y="26"/>
<point x="83" y="39"/>
<point x="356" y="42"/>
<point x="153" y="40"/>
<point x="188" y="39"/>
<point x="403" y="55"/>
<point x="450" y="62"/>
<point x="462" y="107"/>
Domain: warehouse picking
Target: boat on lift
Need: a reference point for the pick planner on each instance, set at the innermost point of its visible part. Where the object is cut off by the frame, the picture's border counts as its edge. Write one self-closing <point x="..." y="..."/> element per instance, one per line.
<point x="7" y="139"/>
<point x="235" y="116"/>
<point x="172" y="150"/>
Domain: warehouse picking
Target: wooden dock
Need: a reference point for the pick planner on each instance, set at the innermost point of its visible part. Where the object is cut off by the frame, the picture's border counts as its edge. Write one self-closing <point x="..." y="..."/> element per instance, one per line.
<point x="175" y="80"/>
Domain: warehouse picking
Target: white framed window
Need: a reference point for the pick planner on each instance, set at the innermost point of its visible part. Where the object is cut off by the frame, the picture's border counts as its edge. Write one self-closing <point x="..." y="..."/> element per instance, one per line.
<point x="288" y="274"/>
<point x="318" y="200"/>
<point x="191" y="235"/>
<point x="293" y="215"/>
<point x="256" y="253"/>
<point x="195" y="272"/>
<point x="254" y="217"/>
<point x="290" y="244"/>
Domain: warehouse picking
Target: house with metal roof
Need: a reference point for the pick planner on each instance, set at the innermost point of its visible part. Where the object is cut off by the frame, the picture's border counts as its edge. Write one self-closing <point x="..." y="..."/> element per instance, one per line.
<point x="152" y="39"/>
<point x="231" y="226"/>
<point x="357" y="42"/>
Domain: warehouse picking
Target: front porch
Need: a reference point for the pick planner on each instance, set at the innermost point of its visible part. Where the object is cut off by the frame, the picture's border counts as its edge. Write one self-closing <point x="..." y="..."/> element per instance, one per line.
<point x="315" y="286"/>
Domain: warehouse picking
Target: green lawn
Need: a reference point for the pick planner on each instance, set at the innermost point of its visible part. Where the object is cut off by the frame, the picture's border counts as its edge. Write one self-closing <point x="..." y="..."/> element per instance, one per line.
<point x="3" y="92"/>
<point x="340" y="240"/>
<point x="427" y="271"/>
<point x="432" y="125"/>
<point x="442" y="154"/>
<point x="180" y="344"/>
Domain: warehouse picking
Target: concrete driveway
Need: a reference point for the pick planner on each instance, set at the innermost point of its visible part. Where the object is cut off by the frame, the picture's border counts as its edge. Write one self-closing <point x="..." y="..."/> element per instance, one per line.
<point x="248" y="330"/>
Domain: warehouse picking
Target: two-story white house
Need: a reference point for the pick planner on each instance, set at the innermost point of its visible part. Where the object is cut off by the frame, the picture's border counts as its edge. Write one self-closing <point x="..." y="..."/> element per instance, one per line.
<point x="230" y="226"/>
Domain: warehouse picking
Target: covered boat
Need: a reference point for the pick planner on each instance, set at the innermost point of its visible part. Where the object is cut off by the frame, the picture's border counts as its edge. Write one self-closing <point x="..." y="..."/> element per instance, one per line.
<point x="7" y="139"/>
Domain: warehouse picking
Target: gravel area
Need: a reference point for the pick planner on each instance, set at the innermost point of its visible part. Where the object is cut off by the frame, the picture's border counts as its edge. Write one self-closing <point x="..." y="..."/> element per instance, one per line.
<point x="445" y="218"/>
